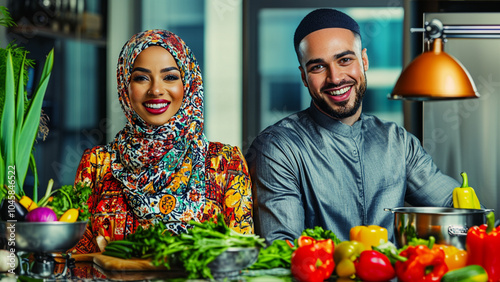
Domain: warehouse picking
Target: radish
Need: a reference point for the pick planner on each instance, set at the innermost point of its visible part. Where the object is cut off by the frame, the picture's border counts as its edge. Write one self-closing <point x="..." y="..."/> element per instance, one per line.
<point x="41" y="214"/>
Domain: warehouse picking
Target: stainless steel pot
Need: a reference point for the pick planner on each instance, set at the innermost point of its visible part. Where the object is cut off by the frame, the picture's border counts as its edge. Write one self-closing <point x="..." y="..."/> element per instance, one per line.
<point x="448" y="225"/>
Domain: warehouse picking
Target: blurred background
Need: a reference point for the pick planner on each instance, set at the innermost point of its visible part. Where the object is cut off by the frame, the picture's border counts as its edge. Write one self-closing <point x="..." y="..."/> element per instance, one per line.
<point x="87" y="36"/>
<point x="249" y="67"/>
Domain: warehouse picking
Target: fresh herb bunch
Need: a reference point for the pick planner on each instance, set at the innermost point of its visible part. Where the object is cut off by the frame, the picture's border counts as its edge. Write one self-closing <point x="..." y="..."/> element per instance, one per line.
<point x="140" y="243"/>
<point x="68" y="197"/>
<point x="194" y="249"/>
<point x="276" y="255"/>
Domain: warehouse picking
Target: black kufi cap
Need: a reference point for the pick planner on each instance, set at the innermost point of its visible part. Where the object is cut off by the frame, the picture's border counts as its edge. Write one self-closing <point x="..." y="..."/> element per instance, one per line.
<point x="320" y="19"/>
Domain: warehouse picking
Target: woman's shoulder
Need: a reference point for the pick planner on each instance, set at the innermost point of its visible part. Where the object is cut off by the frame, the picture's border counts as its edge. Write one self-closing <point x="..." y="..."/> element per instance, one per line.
<point x="220" y="154"/>
<point x="95" y="161"/>
<point x="218" y="149"/>
<point x="97" y="155"/>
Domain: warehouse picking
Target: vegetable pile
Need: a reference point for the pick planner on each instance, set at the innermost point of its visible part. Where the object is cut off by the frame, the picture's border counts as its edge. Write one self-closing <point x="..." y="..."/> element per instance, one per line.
<point x="193" y="250"/>
<point x="67" y="204"/>
<point x="318" y="254"/>
<point x="368" y="256"/>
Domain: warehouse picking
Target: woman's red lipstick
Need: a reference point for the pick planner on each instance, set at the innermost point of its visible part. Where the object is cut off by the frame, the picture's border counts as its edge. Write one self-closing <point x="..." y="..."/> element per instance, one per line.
<point x="156" y="106"/>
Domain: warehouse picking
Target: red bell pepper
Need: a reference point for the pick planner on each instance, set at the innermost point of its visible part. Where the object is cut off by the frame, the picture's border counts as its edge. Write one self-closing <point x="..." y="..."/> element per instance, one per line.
<point x="421" y="264"/>
<point x="305" y="240"/>
<point x="313" y="261"/>
<point x="483" y="245"/>
<point x="374" y="266"/>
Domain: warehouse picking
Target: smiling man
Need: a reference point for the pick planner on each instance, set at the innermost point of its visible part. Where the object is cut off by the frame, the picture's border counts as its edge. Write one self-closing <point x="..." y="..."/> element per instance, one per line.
<point x="330" y="165"/>
<point x="333" y="68"/>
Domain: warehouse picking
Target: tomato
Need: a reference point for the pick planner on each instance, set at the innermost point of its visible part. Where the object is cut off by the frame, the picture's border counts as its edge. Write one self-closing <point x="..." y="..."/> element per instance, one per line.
<point x="70" y="215"/>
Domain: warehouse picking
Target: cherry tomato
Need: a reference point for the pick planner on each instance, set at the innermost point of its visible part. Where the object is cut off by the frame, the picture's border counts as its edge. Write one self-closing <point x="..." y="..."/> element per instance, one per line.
<point x="70" y="215"/>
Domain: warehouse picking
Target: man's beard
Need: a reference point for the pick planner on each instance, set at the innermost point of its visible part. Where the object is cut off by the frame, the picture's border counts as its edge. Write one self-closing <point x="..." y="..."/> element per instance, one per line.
<point x="343" y="112"/>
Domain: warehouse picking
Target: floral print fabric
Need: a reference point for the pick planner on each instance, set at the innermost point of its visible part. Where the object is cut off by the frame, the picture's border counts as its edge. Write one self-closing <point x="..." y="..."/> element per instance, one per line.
<point x="162" y="168"/>
<point x="228" y="190"/>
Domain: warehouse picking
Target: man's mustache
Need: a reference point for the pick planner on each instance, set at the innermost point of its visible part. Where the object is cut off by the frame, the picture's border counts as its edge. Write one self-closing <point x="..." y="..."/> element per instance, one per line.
<point x="336" y="85"/>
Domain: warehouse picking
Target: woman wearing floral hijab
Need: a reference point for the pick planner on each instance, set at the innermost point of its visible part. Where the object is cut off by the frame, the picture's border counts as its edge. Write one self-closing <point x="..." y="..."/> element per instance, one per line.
<point x="160" y="166"/>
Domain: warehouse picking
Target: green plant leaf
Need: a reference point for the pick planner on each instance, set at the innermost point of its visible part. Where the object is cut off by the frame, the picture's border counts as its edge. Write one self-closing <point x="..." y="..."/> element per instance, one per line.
<point x="2" y="170"/>
<point x="6" y="20"/>
<point x="35" y="175"/>
<point x="7" y="123"/>
<point x="49" y="63"/>
<point x="19" y="105"/>
<point x="19" y="115"/>
<point x="32" y="120"/>
<point x="20" y="141"/>
<point x="22" y="162"/>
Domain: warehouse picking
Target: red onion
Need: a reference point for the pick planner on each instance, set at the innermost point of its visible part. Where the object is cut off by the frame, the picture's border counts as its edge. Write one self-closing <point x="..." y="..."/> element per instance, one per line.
<point x="41" y="214"/>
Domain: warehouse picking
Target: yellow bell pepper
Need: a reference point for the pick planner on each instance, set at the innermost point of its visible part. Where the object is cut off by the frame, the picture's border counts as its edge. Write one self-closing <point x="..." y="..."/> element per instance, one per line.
<point x="344" y="255"/>
<point x="465" y="197"/>
<point x="71" y="215"/>
<point x="28" y="203"/>
<point x="453" y="256"/>
<point x="371" y="235"/>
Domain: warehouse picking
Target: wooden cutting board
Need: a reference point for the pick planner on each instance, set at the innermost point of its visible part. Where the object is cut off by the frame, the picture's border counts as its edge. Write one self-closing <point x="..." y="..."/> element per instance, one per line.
<point x="84" y="257"/>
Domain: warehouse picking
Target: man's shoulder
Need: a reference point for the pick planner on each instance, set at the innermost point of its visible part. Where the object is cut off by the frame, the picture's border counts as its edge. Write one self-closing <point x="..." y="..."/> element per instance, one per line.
<point x="371" y="121"/>
<point x="286" y="134"/>
<point x="384" y="129"/>
<point x="292" y="124"/>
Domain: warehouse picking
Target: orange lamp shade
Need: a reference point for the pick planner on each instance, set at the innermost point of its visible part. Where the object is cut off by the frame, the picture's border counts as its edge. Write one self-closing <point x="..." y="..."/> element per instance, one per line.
<point x="434" y="75"/>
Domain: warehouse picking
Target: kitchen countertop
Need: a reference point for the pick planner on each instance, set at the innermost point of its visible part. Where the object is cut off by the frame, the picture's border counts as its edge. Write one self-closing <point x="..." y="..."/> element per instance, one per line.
<point x="97" y="267"/>
<point x="99" y="274"/>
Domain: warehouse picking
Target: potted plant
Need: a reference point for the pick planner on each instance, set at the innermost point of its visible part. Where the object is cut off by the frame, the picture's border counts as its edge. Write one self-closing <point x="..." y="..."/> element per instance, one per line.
<point x="19" y="115"/>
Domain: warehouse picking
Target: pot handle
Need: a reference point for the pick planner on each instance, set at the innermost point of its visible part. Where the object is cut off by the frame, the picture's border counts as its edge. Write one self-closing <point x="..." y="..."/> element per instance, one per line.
<point x="457" y="230"/>
<point x="388" y="209"/>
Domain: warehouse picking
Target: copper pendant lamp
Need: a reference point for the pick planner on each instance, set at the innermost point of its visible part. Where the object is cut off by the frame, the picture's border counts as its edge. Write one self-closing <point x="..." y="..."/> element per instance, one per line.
<point x="434" y="75"/>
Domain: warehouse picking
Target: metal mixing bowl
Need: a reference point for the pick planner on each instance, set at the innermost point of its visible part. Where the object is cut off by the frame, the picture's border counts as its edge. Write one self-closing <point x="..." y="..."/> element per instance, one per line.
<point x="37" y="237"/>
<point x="447" y="225"/>
<point x="232" y="261"/>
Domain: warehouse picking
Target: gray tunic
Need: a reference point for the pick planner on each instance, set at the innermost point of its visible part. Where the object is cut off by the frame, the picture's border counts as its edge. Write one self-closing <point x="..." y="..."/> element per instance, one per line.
<point x="311" y="170"/>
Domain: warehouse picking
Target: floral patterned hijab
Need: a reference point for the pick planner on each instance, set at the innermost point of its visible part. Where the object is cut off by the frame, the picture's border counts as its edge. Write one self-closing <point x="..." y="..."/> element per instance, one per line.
<point x="162" y="168"/>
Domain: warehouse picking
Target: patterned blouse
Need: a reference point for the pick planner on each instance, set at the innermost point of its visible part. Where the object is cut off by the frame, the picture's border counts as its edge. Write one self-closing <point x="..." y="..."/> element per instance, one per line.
<point x="228" y="191"/>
